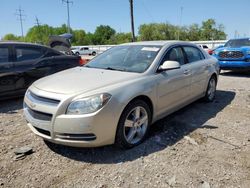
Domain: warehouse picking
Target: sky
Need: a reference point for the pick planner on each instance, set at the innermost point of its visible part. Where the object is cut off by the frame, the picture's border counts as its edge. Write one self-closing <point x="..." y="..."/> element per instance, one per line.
<point x="88" y="14"/>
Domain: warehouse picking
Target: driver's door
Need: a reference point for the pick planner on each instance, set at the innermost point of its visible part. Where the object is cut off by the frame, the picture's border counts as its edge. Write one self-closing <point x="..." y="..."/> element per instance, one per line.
<point x="173" y="87"/>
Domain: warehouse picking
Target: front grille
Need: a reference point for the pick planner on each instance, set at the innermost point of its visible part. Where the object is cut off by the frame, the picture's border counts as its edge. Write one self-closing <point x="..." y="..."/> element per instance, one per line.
<point x="231" y="54"/>
<point x="31" y="96"/>
<point x="39" y="115"/>
<point x="42" y="131"/>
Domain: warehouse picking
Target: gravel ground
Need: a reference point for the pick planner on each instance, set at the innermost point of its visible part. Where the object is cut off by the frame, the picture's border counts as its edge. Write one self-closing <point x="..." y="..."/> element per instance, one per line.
<point x="203" y="145"/>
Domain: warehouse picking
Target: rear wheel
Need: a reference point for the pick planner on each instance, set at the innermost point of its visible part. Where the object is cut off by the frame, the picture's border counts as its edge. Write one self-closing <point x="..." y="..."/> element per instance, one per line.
<point x="133" y="124"/>
<point x="211" y="89"/>
<point x="93" y="53"/>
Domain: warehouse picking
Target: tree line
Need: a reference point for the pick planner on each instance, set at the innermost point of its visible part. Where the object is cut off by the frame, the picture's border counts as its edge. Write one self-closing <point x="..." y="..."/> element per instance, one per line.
<point x="105" y="35"/>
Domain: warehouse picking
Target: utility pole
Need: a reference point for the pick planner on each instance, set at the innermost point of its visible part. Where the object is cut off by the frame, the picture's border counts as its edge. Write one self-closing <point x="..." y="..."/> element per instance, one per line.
<point x="180" y="24"/>
<point x="19" y="13"/>
<point x="68" y="2"/>
<point x="39" y="29"/>
<point x="132" y="20"/>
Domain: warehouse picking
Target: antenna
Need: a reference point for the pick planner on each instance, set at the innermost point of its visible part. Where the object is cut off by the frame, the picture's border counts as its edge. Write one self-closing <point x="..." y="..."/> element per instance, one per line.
<point x="68" y="2"/>
<point x="19" y="13"/>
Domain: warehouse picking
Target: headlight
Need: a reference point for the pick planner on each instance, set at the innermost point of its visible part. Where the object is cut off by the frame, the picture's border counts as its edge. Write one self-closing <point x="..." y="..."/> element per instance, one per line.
<point x="88" y="105"/>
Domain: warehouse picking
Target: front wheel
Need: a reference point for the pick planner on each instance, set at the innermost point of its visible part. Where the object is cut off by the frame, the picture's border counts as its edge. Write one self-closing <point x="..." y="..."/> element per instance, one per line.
<point x="211" y="89"/>
<point x="133" y="124"/>
<point x="77" y="53"/>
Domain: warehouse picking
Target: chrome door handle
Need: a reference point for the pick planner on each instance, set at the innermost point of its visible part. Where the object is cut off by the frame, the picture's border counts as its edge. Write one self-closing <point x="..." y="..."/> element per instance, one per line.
<point x="186" y="72"/>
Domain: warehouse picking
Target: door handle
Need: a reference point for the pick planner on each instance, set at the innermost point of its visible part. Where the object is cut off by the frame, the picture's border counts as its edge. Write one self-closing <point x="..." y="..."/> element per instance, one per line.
<point x="186" y="72"/>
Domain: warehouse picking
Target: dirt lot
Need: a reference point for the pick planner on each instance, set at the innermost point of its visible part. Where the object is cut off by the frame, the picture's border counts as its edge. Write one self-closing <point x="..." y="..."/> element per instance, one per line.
<point x="203" y="145"/>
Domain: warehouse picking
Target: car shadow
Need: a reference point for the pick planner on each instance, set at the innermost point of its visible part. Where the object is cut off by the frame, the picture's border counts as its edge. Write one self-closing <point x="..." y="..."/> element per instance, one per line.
<point x="163" y="133"/>
<point x="10" y="106"/>
<point x="242" y="73"/>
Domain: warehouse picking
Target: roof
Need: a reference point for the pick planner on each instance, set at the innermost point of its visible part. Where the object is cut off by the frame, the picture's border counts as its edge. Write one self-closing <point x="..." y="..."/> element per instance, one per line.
<point x="157" y="42"/>
<point x="26" y="43"/>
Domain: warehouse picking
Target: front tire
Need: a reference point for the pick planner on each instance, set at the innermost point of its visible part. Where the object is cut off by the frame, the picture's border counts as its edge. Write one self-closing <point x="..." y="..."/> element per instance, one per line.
<point x="211" y="89"/>
<point x="133" y="125"/>
<point x="77" y="53"/>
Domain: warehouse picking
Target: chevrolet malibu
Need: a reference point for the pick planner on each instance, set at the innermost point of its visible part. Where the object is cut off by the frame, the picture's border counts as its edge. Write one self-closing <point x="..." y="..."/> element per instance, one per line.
<point x="117" y="96"/>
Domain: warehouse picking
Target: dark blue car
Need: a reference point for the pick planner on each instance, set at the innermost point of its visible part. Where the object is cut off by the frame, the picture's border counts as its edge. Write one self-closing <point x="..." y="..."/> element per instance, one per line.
<point x="234" y="55"/>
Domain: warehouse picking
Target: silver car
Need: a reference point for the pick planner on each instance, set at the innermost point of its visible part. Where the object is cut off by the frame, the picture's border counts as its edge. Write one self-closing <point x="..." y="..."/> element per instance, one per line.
<point x="120" y="93"/>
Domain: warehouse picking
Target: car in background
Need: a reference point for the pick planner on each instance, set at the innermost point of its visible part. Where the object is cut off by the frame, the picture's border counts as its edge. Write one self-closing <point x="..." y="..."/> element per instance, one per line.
<point x="120" y="93"/>
<point x="23" y="63"/>
<point x="234" y="55"/>
<point x="205" y="47"/>
<point x="83" y="51"/>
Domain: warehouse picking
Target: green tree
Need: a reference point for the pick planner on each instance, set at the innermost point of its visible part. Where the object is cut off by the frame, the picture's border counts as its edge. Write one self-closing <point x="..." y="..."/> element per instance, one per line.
<point x="103" y="35"/>
<point x="79" y="37"/>
<point x="210" y="31"/>
<point x="11" y="37"/>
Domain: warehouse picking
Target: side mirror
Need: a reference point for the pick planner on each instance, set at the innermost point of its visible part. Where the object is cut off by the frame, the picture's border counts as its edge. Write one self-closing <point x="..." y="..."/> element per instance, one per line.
<point x="169" y="65"/>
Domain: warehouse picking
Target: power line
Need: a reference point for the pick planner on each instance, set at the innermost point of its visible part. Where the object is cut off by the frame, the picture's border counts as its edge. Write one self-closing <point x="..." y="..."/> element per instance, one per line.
<point x="132" y="20"/>
<point x="68" y="2"/>
<point x="19" y="13"/>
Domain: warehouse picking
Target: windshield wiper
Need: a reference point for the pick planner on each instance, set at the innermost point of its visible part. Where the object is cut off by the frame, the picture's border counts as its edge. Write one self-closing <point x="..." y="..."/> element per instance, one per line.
<point x="117" y="69"/>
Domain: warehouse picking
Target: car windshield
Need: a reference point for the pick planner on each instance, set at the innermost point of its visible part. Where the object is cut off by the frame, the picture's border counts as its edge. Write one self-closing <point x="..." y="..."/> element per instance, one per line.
<point x="238" y="43"/>
<point x="129" y="58"/>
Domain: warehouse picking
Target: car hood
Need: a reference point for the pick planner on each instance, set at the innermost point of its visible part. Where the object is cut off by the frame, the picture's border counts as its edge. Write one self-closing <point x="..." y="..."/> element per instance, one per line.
<point x="243" y="48"/>
<point x="81" y="80"/>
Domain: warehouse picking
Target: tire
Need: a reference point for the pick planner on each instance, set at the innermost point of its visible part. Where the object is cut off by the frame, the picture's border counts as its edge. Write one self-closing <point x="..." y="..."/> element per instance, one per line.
<point x="93" y="53"/>
<point x="133" y="125"/>
<point x="211" y="89"/>
<point x="77" y="53"/>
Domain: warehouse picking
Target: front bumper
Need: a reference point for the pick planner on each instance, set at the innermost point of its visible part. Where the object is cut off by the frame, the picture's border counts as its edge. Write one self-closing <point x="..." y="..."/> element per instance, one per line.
<point x="234" y="65"/>
<point x="90" y="130"/>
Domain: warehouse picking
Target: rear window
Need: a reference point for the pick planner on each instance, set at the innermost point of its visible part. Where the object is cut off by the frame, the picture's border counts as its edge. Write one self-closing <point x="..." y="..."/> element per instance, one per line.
<point x="28" y="53"/>
<point x="4" y="54"/>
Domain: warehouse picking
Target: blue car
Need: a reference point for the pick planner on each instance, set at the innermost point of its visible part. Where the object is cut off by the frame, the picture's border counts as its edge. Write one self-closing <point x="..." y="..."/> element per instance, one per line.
<point x="234" y="55"/>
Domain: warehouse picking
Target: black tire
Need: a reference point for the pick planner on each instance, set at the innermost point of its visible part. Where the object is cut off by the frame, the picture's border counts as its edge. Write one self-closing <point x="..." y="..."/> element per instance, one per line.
<point x="121" y="139"/>
<point x="93" y="53"/>
<point x="211" y="89"/>
<point x="77" y="53"/>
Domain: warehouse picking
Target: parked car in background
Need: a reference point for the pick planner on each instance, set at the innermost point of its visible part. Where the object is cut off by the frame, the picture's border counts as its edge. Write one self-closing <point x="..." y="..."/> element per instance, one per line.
<point x="205" y="47"/>
<point x="83" y="51"/>
<point x="120" y="93"/>
<point x="23" y="63"/>
<point x="234" y="55"/>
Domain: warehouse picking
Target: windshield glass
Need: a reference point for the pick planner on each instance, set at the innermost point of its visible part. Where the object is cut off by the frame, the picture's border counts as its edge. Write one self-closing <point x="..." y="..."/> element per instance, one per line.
<point x="238" y="43"/>
<point x="130" y="58"/>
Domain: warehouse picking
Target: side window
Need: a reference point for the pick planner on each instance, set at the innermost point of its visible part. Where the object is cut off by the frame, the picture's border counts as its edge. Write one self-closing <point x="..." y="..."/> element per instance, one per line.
<point x="86" y="48"/>
<point x="193" y="54"/>
<point x="4" y="54"/>
<point x="175" y="54"/>
<point x="27" y="53"/>
<point x="51" y="53"/>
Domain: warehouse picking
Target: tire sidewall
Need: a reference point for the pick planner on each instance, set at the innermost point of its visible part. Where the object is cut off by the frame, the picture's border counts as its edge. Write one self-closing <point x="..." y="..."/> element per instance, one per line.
<point x="207" y="98"/>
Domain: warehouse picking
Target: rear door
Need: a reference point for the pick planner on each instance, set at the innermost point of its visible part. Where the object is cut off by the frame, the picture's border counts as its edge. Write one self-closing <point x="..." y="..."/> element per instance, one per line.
<point x="26" y="57"/>
<point x="199" y="67"/>
<point x="7" y="74"/>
